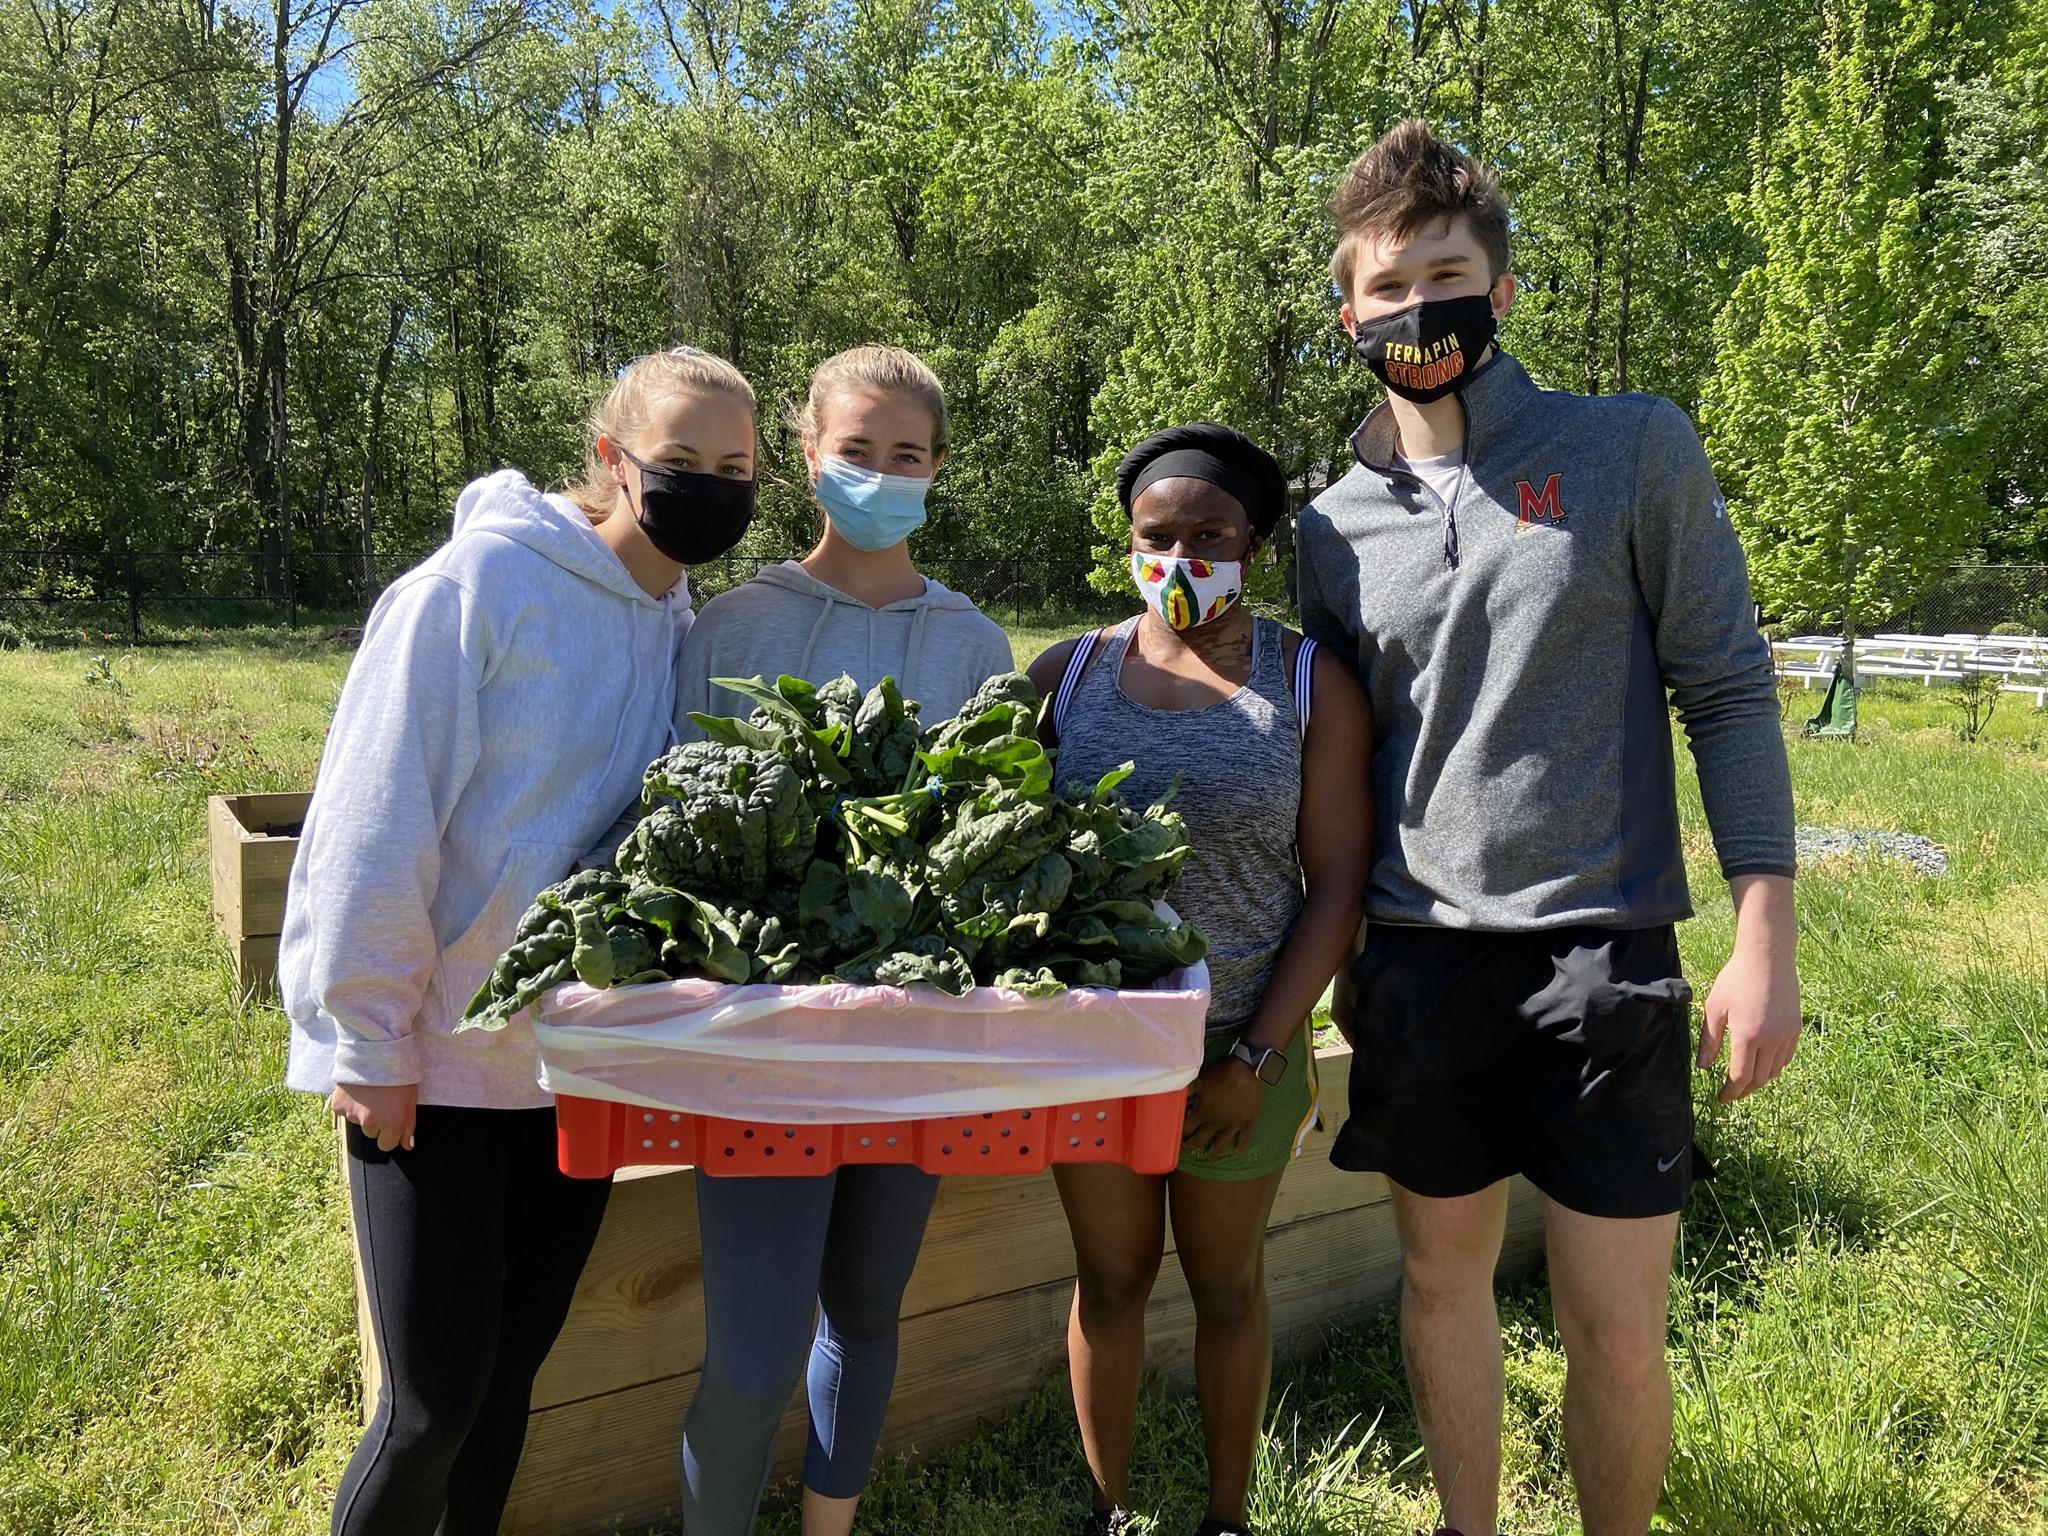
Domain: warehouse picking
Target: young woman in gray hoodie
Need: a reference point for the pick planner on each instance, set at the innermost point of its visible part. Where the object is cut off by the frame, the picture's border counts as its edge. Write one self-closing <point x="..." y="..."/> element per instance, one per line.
<point x="840" y="1246"/>
<point x="507" y="697"/>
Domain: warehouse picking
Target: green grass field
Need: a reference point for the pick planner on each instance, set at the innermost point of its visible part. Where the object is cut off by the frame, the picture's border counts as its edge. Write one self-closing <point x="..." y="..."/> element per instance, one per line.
<point x="1860" y="1315"/>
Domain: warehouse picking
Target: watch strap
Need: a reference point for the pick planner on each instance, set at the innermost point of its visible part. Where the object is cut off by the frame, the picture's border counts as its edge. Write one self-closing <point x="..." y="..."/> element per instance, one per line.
<point x="1262" y="1061"/>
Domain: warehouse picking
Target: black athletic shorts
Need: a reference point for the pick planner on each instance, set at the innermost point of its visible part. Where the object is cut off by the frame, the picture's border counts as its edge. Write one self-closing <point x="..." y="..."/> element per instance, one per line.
<point x="1565" y="1055"/>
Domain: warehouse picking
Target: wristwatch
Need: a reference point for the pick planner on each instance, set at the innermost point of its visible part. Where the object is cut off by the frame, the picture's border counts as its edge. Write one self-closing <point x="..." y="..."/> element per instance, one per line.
<point x="1268" y="1066"/>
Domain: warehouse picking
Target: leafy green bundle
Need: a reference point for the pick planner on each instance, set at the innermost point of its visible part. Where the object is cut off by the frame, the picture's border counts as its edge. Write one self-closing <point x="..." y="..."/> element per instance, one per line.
<point x="828" y="838"/>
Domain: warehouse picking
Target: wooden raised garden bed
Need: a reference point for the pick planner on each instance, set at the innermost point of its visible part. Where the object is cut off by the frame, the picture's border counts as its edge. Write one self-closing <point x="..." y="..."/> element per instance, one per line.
<point x="252" y="840"/>
<point x="984" y="1321"/>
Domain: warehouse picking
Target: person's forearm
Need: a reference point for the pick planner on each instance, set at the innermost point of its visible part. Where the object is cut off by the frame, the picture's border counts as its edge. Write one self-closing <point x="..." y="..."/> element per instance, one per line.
<point x="1324" y="936"/>
<point x="1766" y="918"/>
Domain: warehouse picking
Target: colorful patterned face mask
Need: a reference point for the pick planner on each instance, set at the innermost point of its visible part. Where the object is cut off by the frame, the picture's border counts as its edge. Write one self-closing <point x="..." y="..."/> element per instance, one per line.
<point x="1186" y="592"/>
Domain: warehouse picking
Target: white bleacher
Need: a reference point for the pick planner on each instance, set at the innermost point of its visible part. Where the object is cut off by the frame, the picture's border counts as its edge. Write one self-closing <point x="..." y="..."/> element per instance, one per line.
<point x="2019" y="661"/>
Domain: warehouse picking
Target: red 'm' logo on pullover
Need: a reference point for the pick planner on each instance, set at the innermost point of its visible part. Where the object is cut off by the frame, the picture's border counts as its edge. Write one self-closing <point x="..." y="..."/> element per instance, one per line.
<point x="1544" y="506"/>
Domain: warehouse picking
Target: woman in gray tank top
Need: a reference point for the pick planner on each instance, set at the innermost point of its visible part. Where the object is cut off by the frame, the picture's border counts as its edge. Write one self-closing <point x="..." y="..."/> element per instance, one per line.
<point x="1265" y="747"/>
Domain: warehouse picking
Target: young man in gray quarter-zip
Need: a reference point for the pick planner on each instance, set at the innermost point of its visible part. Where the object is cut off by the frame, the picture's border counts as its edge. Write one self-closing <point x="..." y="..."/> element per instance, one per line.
<point x="1521" y="576"/>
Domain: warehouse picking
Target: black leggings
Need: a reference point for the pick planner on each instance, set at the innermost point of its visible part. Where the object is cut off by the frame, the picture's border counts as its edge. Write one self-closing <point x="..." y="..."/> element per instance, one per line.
<point x="471" y="1245"/>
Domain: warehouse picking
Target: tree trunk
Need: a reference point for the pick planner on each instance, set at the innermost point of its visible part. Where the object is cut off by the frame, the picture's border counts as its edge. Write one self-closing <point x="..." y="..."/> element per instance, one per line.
<point x="1590" y="337"/>
<point x="1632" y="160"/>
<point x="1479" y="81"/>
<point x="1849" y="615"/>
<point x="274" y="510"/>
<point x="488" y="347"/>
<point x="366" y="494"/>
<point x="464" y="428"/>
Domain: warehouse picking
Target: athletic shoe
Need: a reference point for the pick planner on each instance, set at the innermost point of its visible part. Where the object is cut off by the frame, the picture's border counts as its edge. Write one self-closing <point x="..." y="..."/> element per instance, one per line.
<point x="1107" y="1522"/>
<point x="1222" y="1528"/>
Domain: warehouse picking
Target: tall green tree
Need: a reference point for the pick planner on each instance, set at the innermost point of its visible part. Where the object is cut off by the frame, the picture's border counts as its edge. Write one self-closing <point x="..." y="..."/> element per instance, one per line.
<point x="1843" y="415"/>
<point x="1997" y="193"/>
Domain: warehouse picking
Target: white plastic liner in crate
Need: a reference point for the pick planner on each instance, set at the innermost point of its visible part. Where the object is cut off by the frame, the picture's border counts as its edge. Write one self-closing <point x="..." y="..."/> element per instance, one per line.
<point x="840" y="1054"/>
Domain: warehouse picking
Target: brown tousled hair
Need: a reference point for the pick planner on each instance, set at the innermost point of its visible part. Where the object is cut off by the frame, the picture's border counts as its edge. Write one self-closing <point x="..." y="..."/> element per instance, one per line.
<point x="626" y="407"/>
<point x="1408" y="181"/>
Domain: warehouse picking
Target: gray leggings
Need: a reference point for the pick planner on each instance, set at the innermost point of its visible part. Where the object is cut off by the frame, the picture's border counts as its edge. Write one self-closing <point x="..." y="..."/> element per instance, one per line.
<point x="777" y="1251"/>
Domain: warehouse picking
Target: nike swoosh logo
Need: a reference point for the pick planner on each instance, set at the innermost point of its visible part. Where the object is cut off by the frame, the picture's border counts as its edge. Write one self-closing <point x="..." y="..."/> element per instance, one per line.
<point x="1666" y="1164"/>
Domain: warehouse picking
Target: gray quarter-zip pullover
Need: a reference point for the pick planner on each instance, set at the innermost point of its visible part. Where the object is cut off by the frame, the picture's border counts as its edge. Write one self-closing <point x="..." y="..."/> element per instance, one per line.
<point x="1517" y="648"/>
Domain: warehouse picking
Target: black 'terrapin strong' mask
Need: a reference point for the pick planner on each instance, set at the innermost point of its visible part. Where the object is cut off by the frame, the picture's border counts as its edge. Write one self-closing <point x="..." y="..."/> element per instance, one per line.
<point x="1427" y="350"/>
<point x="691" y="517"/>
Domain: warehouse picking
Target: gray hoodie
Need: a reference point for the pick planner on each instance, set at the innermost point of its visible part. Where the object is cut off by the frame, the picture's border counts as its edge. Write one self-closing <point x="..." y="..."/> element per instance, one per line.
<point x="939" y="647"/>
<point x="1523" y="763"/>
<point x="508" y="696"/>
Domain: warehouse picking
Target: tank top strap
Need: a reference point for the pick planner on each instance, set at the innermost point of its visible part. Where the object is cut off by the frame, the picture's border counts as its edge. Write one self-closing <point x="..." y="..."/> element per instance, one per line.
<point x="1270" y="675"/>
<point x="1269" y="659"/>
<point x="1304" y="684"/>
<point x="1118" y="643"/>
<point x="1097" y="655"/>
<point x="1070" y="678"/>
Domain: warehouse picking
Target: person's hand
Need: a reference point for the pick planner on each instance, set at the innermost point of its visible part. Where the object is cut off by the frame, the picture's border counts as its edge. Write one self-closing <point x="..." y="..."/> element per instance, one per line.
<point x="1753" y="1005"/>
<point x="1223" y="1106"/>
<point x="385" y="1114"/>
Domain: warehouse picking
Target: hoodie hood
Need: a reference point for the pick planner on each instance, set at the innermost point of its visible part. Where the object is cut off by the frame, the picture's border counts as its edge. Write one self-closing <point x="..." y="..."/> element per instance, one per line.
<point x="509" y="693"/>
<point x="937" y="645"/>
<point x="790" y="576"/>
<point x="508" y="505"/>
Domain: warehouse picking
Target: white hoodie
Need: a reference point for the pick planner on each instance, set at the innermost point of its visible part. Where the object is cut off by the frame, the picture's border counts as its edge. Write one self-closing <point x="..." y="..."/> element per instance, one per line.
<point x="508" y="697"/>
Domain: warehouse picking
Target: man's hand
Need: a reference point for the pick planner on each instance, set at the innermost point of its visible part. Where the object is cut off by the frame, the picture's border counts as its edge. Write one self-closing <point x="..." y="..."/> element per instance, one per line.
<point x="1223" y="1106"/>
<point x="1754" y="1002"/>
<point x="386" y="1114"/>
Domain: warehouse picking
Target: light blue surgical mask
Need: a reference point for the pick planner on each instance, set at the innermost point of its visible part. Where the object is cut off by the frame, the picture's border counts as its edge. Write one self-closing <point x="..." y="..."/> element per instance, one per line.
<point x="871" y="510"/>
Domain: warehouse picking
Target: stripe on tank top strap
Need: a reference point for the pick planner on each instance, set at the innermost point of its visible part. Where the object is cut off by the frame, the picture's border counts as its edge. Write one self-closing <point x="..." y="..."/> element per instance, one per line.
<point x="1304" y="684"/>
<point x="1070" y="679"/>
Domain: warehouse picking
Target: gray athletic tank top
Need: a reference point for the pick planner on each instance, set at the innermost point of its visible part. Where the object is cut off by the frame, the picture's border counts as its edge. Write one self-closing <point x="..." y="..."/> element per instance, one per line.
<point x="1238" y="762"/>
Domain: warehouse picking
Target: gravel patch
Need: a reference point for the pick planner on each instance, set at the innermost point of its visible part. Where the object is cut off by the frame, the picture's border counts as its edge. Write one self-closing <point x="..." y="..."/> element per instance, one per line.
<point x="1923" y="854"/>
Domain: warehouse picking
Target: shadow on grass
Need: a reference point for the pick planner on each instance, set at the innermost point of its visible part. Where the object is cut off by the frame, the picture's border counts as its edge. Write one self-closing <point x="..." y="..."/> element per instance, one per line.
<point x="1760" y="1196"/>
<point x="1343" y="1455"/>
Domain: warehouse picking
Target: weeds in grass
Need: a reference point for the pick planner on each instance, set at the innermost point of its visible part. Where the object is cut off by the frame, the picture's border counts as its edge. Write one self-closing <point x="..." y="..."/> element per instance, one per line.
<point x="1975" y="697"/>
<point x="170" y="751"/>
<point x="103" y="710"/>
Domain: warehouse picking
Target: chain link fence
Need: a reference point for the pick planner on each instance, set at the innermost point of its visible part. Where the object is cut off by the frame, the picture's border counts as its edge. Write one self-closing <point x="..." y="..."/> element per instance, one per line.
<point x="163" y="595"/>
<point x="1978" y="599"/>
<point x="166" y="596"/>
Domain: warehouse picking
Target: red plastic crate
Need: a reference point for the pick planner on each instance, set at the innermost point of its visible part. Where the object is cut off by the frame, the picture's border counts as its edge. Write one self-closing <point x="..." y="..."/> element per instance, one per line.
<point x="597" y="1138"/>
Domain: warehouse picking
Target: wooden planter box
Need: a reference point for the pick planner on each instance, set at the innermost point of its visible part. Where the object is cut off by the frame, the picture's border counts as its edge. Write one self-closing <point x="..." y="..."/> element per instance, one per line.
<point x="252" y="840"/>
<point x="984" y="1321"/>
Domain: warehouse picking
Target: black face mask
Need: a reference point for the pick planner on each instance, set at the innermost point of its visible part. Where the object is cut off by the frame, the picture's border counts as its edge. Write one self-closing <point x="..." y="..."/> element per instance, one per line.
<point x="692" y="517"/>
<point x="1427" y="350"/>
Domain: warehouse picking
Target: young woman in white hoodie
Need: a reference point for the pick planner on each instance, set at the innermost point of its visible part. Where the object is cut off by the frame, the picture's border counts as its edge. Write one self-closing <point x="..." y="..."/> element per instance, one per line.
<point x="840" y="1246"/>
<point x="508" y="696"/>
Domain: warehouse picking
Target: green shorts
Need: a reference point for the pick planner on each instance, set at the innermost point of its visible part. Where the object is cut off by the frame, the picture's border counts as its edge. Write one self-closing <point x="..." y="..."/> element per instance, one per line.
<point x="1284" y="1120"/>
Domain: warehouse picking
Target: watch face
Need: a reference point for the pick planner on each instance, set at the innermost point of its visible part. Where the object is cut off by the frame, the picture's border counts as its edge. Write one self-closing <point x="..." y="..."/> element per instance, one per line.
<point x="1271" y="1068"/>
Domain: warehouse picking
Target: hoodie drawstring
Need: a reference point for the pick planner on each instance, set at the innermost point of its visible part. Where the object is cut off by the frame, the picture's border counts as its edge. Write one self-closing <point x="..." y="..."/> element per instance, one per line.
<point x="916" y="648"/>
<point x="913" y="653"/>
<point x="803" y="667"/>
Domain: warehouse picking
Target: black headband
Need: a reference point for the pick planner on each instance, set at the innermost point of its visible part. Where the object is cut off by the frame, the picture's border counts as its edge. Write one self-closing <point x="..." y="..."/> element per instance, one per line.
<point x="1197" y="464"/>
